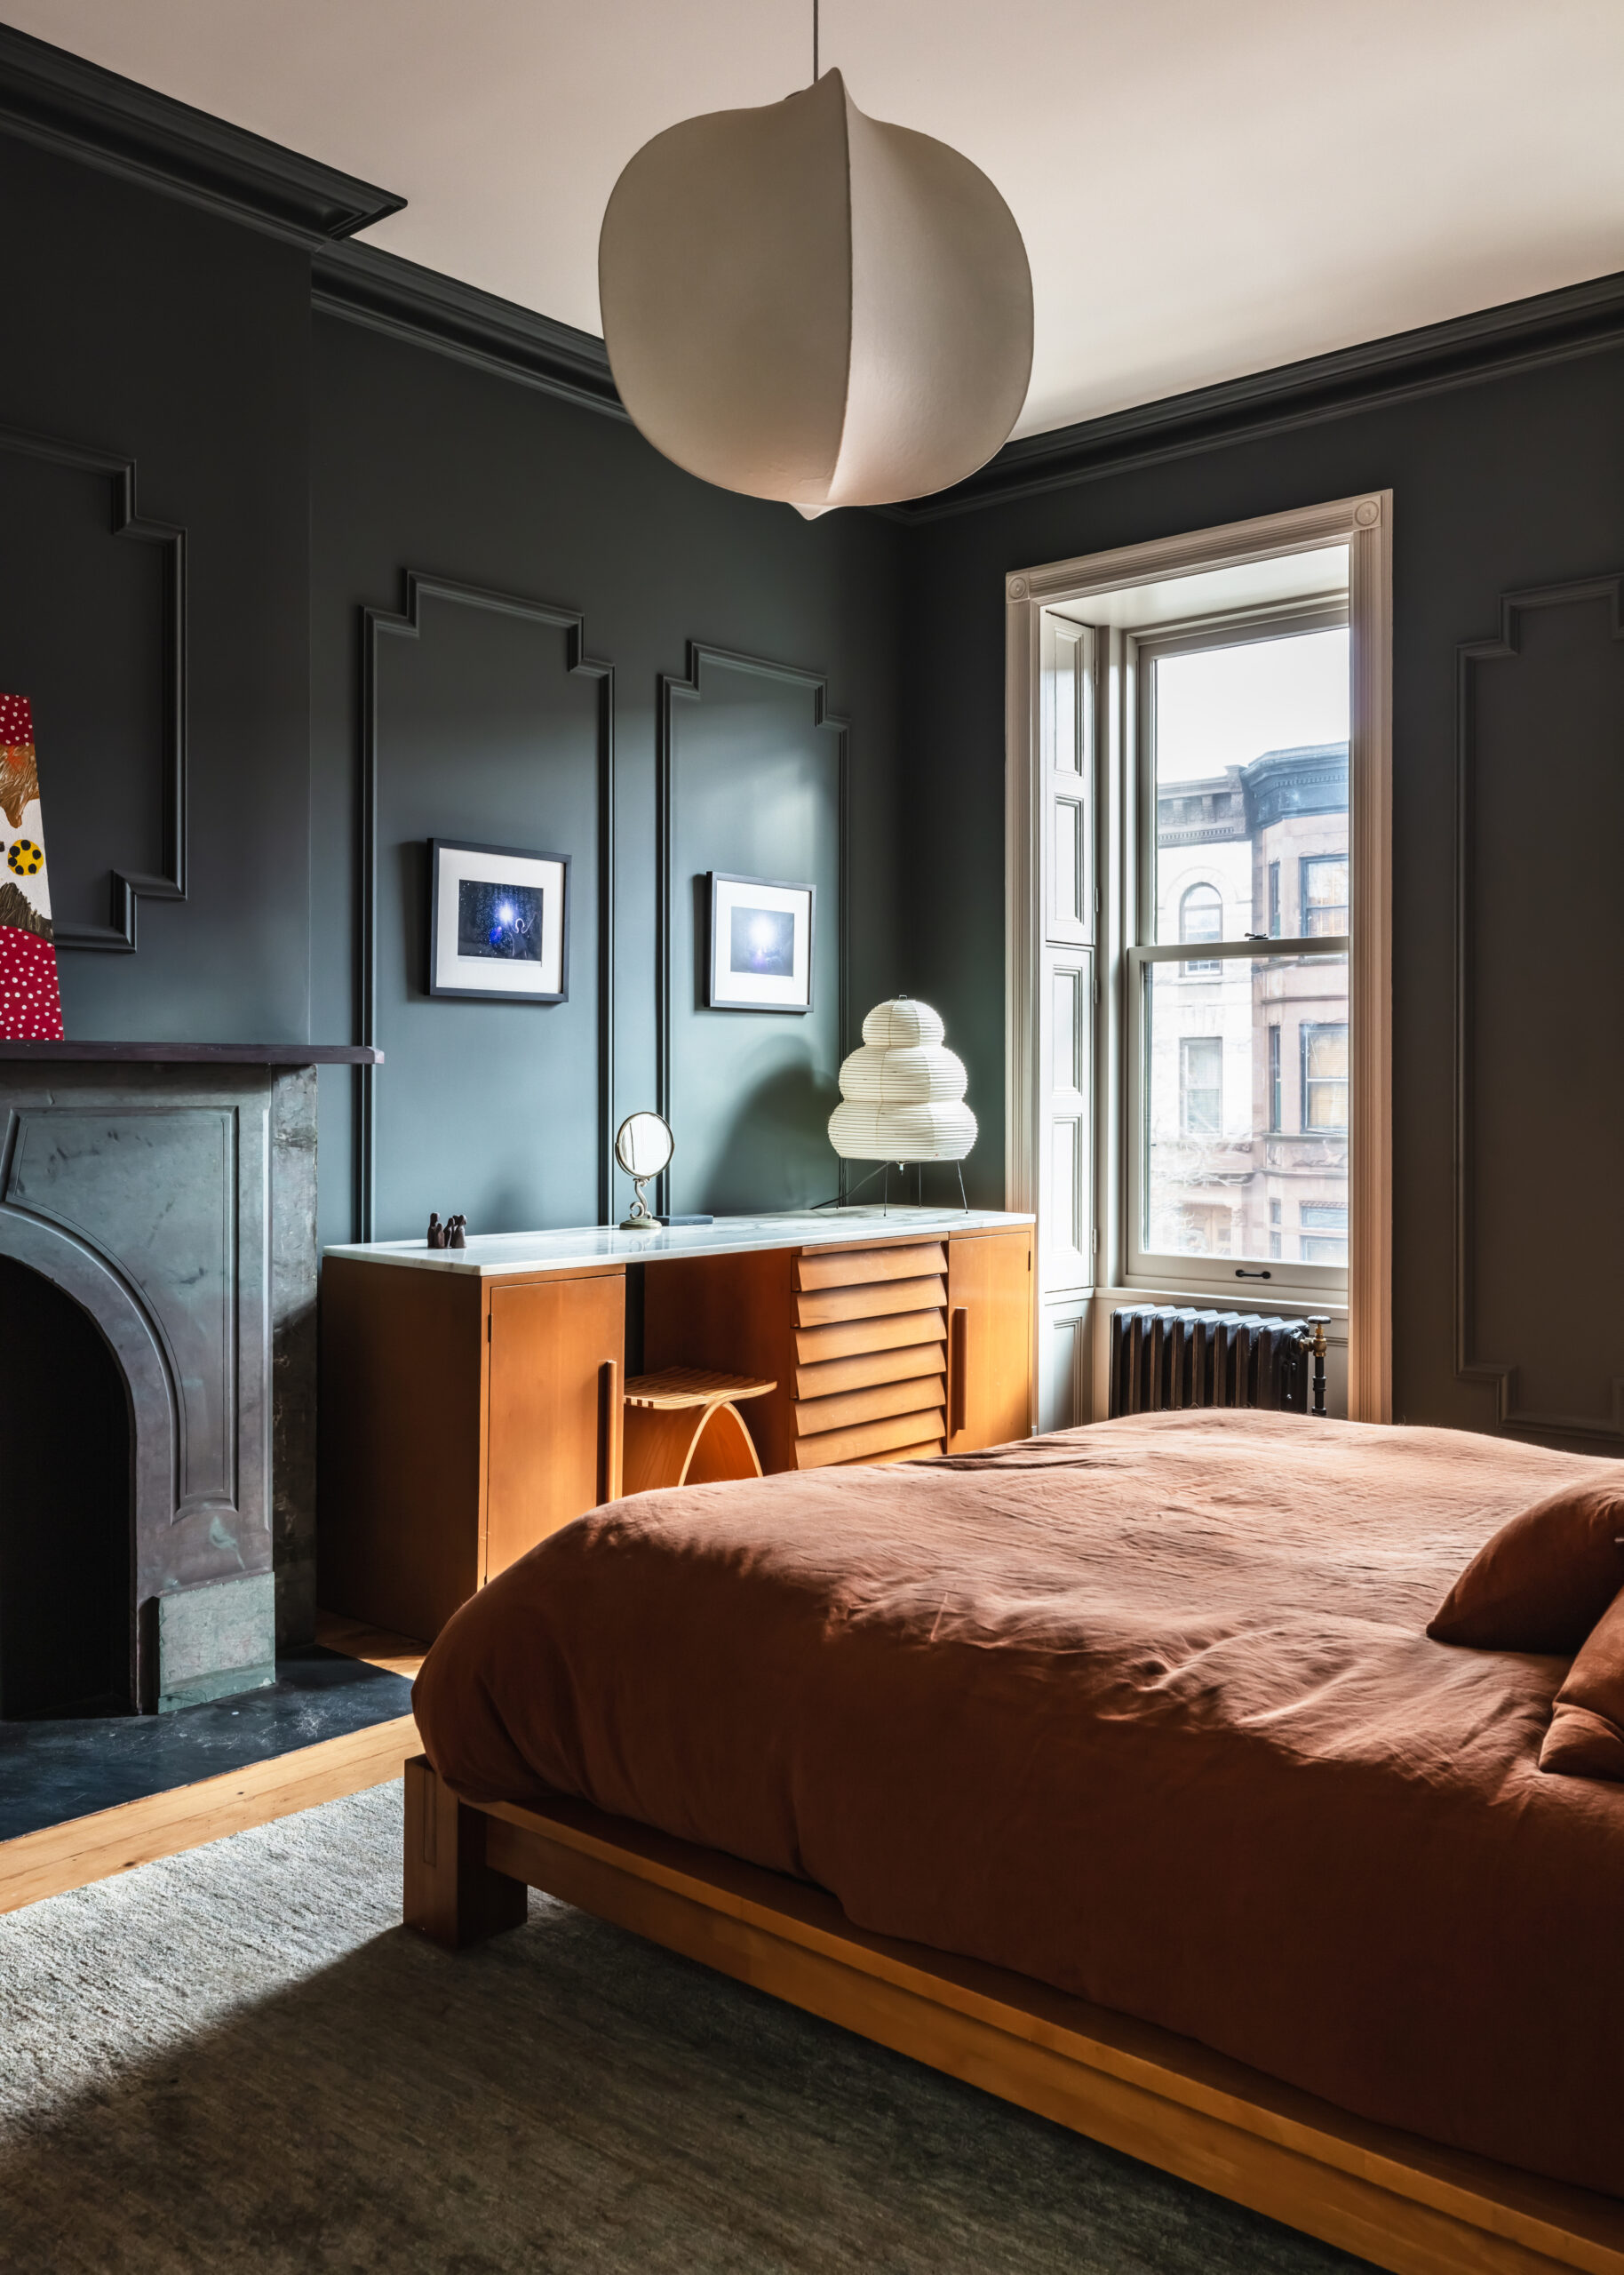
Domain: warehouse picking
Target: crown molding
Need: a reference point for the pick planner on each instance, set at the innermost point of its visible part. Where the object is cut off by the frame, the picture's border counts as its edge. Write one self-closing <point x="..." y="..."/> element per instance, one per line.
<point x="1492" y="343"/>
<point x="366" y="285"/>
<point x="64" y="104"/>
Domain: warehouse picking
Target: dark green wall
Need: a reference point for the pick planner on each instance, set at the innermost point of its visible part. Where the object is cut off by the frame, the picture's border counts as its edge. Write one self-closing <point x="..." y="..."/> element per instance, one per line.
<point x="422" y="463"/>
<point x="1514" y="482"/>
<point x="138" y="328"/>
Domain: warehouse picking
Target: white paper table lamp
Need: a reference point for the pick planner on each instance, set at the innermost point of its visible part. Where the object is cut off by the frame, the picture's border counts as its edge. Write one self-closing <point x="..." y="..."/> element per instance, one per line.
<point x="902" y="1095"/>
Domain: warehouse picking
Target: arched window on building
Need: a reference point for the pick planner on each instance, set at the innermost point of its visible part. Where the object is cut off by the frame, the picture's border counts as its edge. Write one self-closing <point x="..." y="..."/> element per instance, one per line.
<point x="1200" y="919"/>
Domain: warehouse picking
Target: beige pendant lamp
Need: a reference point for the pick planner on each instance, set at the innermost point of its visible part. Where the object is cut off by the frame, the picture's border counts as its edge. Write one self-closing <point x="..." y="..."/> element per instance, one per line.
<point x="802" y="302"/>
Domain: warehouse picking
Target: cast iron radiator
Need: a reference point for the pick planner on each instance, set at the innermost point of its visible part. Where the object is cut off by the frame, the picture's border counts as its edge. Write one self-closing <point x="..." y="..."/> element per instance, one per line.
<point x="1161" y="1357"/>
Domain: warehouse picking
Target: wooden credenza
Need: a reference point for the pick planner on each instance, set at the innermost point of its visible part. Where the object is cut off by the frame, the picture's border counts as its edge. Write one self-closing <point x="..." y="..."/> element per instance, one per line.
<point x="469" y="1407"/>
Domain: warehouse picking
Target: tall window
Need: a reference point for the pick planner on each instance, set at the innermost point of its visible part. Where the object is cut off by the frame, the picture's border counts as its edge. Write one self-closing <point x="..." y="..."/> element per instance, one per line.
<point x="1242" y="753"/>
<point x="1325" y="895"/>
<point x="1201" y="918"/>
<point x="1201" y="1084"/>
<point x="1324" y="1077"/>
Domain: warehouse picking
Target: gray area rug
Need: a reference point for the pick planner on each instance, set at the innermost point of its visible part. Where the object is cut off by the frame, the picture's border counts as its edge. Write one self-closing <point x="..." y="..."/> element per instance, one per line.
<point x="239" y="2059"/>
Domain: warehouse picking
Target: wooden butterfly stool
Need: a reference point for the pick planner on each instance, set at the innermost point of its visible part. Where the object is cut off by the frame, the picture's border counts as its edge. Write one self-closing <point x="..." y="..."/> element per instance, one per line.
<point x="682" y="1427"/>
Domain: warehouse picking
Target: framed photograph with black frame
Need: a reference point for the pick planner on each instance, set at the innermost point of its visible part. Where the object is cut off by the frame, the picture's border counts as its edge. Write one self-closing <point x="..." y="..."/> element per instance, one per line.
<point x="498" y="923"/>
<point x="760" y="945"/>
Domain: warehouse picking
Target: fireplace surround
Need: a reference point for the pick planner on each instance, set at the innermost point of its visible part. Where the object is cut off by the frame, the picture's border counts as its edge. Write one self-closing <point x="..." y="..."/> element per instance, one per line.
<point x="169" y="1190"/>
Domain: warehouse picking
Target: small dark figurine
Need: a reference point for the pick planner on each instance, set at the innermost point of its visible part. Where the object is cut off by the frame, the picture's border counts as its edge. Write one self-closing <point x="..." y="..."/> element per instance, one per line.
<point x="436" y="1230"/>
<point x="456" y="1231"/>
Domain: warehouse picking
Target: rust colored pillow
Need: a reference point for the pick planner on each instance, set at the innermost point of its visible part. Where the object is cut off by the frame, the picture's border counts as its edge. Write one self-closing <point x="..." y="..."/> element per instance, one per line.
<point x="1546" y="1577"/>
<point x="1586" y="1738"/>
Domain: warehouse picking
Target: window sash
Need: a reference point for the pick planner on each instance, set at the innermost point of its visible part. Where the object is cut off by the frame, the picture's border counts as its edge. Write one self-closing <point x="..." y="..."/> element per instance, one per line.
<point x="1313" y="1278"/>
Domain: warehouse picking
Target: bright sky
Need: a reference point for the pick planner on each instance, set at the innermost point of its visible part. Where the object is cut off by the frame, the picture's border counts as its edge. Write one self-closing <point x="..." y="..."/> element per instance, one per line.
<point x="1224" y="707"/>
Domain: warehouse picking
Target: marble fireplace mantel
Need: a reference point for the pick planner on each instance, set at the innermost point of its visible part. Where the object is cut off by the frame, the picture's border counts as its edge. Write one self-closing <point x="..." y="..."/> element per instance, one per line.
<point x="170" y="1189"/>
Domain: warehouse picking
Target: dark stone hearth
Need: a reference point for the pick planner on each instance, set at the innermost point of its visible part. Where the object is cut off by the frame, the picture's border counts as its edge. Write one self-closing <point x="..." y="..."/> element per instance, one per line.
<point x="53" y="1771"/>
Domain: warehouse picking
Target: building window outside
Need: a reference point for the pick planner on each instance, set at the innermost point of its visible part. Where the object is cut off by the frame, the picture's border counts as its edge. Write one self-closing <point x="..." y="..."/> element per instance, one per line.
<point x="1273" y="900"/>
<point x="1274" y="1226"/>
<point x="1323" y="1233"/>
<point x="1206" y="1231"/>
<point x="1324" y="894"/>
<point x="1324" y="1077"/>
<point x="1201" y="1085"/>
<point x="1276" y="1101"/>
<point x="1201" y="919"/>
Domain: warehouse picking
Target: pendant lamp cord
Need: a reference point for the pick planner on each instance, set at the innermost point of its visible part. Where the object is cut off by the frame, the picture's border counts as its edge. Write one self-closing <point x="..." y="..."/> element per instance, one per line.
<point x="815" y="43"/>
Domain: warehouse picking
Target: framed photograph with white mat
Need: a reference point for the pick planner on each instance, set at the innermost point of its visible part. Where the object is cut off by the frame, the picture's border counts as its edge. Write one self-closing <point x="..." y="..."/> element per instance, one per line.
<point x="498" y="923"/>
<point x="760" y="945"/>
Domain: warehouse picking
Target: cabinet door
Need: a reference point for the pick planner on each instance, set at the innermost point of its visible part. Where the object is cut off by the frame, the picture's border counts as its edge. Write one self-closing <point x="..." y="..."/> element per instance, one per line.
<point x="557" y="1347"/>
<point x="989" y="1339"/>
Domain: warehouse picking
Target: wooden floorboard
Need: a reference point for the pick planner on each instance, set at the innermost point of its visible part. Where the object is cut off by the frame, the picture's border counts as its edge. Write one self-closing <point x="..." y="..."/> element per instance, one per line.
<point x="85" y="1848"/>
<point x="375" y="1645"/>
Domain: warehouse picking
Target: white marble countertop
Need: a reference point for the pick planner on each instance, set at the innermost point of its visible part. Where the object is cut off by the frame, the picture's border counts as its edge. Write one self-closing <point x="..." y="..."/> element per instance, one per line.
<point x="490" y="1254"/>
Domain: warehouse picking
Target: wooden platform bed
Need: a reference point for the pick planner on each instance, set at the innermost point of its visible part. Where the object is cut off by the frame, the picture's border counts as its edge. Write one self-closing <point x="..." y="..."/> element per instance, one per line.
<point x="1387" y="2196"/>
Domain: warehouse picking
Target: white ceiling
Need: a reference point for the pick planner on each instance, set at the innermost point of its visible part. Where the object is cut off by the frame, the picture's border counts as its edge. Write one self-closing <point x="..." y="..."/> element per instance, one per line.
<point x="1206" y="187"/>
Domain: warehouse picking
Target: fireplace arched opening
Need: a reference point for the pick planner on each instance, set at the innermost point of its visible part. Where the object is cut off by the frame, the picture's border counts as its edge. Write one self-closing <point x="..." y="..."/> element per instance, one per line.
<point x="67" y="1508"/>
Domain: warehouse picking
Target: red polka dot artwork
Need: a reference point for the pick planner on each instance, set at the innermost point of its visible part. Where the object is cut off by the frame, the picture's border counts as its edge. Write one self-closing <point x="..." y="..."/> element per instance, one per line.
<point x="30" y="1001"/>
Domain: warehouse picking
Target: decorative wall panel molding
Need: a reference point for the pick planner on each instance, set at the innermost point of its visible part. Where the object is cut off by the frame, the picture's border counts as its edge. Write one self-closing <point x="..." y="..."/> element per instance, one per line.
<point x="63" y="103"/>
<point x="380" y="626"/>
<point x="130" y="886"/>
<point x="1539" y="973"/>
<point x="750" y="803"/>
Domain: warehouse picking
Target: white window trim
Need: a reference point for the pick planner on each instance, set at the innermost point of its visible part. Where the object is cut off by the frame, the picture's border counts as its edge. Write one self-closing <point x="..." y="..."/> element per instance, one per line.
<point x="1364" y="525"/>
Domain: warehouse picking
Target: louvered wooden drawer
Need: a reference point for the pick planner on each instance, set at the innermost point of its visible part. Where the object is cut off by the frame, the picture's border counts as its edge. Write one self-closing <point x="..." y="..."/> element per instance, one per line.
<point x="824" y="1377"/>
<point x="874" y="1299"/>
<point x="874" y="1404"/>
<point x="867" y="1266"/>
<point x="851" y="1338"/>
<point x="900" y="1436"/>
<point x="870" y="1376"/>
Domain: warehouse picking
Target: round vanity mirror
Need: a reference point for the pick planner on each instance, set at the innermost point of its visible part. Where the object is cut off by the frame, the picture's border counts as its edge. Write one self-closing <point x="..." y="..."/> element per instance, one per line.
<point x="643" y="1145"/>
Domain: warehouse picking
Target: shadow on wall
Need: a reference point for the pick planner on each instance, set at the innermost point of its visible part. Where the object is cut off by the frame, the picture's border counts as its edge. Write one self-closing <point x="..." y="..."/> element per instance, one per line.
<point x="770" y="1148"/>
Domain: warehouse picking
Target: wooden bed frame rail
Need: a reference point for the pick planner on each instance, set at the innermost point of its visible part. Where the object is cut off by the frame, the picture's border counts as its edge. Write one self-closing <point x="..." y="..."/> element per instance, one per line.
<point x="1410" y="2206"/>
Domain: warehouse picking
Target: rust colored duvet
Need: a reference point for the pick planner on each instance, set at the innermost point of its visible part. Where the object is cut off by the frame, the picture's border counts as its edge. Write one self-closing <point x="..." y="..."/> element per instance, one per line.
<point x="1145" y="1710"/>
